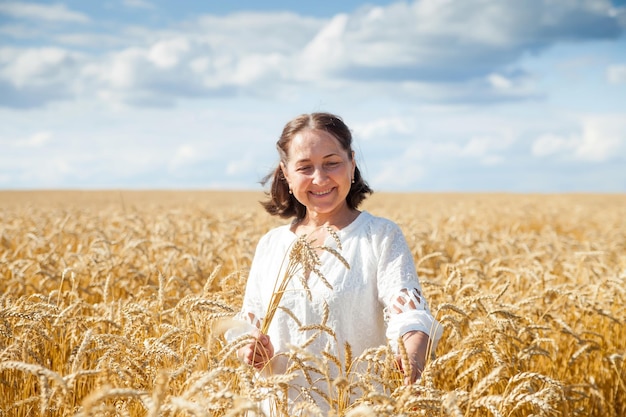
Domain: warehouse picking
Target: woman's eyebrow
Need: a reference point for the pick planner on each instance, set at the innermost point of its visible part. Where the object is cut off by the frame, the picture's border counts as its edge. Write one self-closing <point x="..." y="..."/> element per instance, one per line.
<point x="304" y="160"/>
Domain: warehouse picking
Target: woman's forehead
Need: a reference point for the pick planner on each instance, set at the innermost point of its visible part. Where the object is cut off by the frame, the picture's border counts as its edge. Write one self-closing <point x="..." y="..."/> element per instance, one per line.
<point x="315" y="143"/>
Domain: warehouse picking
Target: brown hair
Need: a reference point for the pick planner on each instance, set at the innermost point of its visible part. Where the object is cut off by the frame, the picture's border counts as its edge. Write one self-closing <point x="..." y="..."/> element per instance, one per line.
<point x="285" y="205"/>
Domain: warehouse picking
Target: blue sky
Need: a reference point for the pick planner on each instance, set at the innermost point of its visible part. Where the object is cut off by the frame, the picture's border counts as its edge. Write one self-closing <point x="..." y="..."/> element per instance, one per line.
<point x="441" y="95"/>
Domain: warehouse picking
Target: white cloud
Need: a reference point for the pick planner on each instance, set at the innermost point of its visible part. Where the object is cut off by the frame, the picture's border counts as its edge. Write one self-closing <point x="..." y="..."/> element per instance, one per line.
<point x="168" y="53"/>
<point x="278" y="32"/>
<point x="616" y="74"/>
<point x="324" y="52"/>
<point x="413" y="75"/>
<point x="36" y="11"/>
<point x="37" y="66"/>
<point x="255" y="68"/>
<point x="599" y="139"/>
<point x="602" y="137"/>
<point x="123" y="70"/>
<point x="450" y="41"/>
<point x="433" y="50"/>
<point x="551" y="144"/>
<point x="500" y="82"/>
<point x="382" y="128"/>
<point x="519" y="85"/>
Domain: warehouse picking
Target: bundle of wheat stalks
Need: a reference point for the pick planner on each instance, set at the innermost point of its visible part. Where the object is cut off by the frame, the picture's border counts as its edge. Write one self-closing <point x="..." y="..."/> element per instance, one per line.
<point x="110" y="308"/>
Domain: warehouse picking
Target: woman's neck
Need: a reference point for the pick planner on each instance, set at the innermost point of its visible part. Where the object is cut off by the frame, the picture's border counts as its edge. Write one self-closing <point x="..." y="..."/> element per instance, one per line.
<point x="335" y="220"/>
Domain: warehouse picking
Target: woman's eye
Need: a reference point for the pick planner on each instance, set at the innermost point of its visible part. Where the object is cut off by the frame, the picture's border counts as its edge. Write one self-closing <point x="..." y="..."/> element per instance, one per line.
<point x="303" y="169"/>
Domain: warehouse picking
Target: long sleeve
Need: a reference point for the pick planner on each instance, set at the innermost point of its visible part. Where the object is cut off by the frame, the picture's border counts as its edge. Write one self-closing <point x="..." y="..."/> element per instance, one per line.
<point x="399" y="289"/>
<point x="264" y="269"/>
<point x="249" y="318"/>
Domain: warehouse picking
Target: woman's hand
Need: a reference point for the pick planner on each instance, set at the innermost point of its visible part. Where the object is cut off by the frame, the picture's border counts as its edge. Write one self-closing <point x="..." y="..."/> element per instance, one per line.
<point x="416" y="345"/>
<point x="257" y="353"/>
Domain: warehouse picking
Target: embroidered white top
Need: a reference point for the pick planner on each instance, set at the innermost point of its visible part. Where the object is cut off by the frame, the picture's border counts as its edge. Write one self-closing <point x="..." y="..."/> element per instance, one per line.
<point x="375" y="301"/>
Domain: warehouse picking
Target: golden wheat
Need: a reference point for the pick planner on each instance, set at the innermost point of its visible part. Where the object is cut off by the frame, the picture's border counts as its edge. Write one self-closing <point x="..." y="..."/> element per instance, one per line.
<point x="112" y="303"/>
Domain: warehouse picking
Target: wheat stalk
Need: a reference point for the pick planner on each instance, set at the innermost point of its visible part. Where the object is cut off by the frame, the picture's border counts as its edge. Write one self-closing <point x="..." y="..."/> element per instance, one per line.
<point x="80" y="289"/>
<point x="302" y="256"/>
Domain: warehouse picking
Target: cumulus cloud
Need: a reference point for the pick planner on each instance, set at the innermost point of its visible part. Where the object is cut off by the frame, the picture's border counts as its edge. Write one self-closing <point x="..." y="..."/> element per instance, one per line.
<point x="602" y="137"/>
<point x="168" y="53"/>
<point x="152" y="76"/>
<point x="434" y="50"/>
<point x="383" y="128"/>
<point x="599" y="139"/>
<point x="420" y="150"/>
<point x="452" y="41"/>
<point x="36" y="66"/>
<point x="34" y="76"/>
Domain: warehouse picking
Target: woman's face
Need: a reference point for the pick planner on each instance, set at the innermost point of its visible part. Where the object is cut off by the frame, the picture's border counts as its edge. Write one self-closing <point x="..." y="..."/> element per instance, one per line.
<point x="319" y="171"/>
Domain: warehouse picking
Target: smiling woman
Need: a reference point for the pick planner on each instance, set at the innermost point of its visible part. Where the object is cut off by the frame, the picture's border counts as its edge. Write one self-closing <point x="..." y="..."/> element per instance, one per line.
<point x="363" y="292"/>
<point x="316" y="157"/>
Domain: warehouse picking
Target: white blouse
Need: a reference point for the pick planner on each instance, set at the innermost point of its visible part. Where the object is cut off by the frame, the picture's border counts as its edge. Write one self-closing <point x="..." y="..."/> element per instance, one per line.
<point x="369" y="304"/>
<point x="375" y="301"/>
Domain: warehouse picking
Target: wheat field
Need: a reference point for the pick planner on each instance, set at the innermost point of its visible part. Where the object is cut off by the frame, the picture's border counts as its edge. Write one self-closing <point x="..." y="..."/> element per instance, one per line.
<point x="113" y="304"/>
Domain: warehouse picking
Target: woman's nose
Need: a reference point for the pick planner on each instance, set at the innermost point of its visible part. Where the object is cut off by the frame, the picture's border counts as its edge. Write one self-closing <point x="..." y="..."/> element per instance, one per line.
<point x="319" y="176"/>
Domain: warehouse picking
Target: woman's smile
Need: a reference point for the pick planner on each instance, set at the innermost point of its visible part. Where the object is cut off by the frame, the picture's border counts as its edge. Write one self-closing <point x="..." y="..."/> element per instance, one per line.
<point x="322" y="193"/>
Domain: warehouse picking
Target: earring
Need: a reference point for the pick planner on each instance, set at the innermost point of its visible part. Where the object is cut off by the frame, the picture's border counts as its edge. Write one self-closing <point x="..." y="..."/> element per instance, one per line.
<point x="352" y="180"/>
<point x="290" y="192"/>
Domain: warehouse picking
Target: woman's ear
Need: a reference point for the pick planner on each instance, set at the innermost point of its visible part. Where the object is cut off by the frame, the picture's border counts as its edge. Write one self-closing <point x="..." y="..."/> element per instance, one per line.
<point x="353" y="165"/>
<point x="283" y="169"/>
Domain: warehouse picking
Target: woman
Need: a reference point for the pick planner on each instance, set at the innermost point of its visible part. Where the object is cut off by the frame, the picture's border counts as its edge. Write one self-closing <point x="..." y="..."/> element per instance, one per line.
<point x="376" y="300"/>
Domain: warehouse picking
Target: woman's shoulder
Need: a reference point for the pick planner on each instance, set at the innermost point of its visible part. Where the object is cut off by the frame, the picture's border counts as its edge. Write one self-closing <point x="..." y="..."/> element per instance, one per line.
<point x="372" y="227"/>
<point x="378" y="223"/>
<point x="277" y="234"/>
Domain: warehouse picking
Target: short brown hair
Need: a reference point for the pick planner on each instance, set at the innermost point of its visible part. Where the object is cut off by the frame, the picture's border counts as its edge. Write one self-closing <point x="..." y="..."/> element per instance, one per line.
<point x="281" y="202"/>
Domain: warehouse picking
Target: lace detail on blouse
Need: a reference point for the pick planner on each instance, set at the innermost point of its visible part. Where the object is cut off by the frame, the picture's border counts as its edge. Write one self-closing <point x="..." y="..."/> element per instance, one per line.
<point x="247" y="323"/>
<point x="408" y="299"/>
<point x="250" y="318"/>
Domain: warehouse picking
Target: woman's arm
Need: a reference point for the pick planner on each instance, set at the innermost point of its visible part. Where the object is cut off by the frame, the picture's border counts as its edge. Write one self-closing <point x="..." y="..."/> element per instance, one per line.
<point x="416" y="346"/>
<point x="406" y="310"/>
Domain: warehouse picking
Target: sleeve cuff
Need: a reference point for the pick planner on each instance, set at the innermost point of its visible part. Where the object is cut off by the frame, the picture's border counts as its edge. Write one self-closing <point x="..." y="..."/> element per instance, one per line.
<point x="239" y="328"/>
<point x="413" y="320"/>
